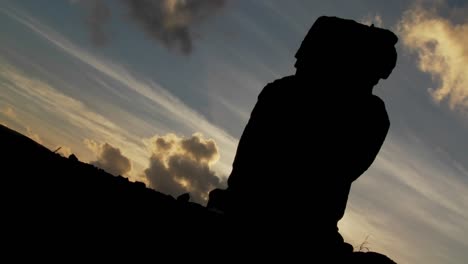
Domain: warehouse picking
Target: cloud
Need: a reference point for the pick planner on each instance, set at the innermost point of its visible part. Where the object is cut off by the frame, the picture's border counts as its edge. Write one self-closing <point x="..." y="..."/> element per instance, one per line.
<point x="171" y="22"/>
<point x="372" y="19"/>
<point x="74" y="120"/>
<point x="179" y="165"/>
<point x="9" y="112"/>
<point x="109" y="158"/>
<point x="442" y="50"/>
<point x="33" y="136"/>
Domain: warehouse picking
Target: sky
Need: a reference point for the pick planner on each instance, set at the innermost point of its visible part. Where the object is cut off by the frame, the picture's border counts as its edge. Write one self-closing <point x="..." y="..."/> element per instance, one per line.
<point x="160" y="92"/>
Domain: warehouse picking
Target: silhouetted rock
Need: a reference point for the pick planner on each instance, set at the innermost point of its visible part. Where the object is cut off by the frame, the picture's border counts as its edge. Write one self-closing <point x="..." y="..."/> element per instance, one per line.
<point x="310" y="135"/>
<point x="140" y="185"/>
<point x="370" y="258"/>
<point x="73" y="157"/>
<point x="184" y="197"/>
<point x="218" y="200"/>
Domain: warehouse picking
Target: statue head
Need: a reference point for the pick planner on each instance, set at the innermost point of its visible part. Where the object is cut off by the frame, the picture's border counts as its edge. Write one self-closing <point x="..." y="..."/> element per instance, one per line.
<point x="344" y="49"/>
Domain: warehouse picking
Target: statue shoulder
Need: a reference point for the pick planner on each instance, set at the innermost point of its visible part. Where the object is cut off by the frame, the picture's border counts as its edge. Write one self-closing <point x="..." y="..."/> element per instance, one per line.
<point x="378" y="103"/>
<point x="379" y="110"/>
<point x="277" y="88"/>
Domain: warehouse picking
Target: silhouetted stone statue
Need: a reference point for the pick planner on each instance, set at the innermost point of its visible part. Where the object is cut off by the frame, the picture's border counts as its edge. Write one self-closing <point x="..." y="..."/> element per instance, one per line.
<point x="312" y="134"/>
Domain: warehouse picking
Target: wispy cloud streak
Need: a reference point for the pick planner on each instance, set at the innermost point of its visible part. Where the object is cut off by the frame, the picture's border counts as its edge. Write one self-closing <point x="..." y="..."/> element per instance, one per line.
<point x="175" y="109"/>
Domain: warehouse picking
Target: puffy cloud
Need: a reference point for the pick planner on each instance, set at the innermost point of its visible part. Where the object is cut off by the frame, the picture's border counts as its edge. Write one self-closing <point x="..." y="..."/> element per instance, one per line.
<point x="109" y="158"/>
<point x="169" y="21"/>
<point x="179" y="165"/>
<point x="442" y="50"/>
<point x="200" y="149"/>
<point x="172" y="21"/>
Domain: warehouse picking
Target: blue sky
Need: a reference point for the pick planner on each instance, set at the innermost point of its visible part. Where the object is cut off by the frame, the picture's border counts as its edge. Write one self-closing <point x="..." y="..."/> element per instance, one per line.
<point x="61" y="88"/>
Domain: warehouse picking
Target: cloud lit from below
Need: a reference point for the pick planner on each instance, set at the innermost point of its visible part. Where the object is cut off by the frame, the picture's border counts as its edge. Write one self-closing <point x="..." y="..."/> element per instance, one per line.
<point x="442" y="50"/>
<point x="179" y="165"/>
<point x="34" y="136"/>
<point x="171" y="22"/>
<point x="109" y="158"/>
<point x="9" y="112"/>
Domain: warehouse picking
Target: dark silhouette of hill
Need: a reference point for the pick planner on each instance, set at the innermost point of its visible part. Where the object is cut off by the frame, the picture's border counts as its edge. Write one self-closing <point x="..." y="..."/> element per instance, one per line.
<point x="49" y="197"/>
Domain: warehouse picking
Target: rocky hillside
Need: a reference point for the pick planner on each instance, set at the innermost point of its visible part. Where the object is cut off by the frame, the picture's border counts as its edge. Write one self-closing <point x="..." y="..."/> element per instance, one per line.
<point x="47" y="198"/>
<point x="45" y="192"/>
